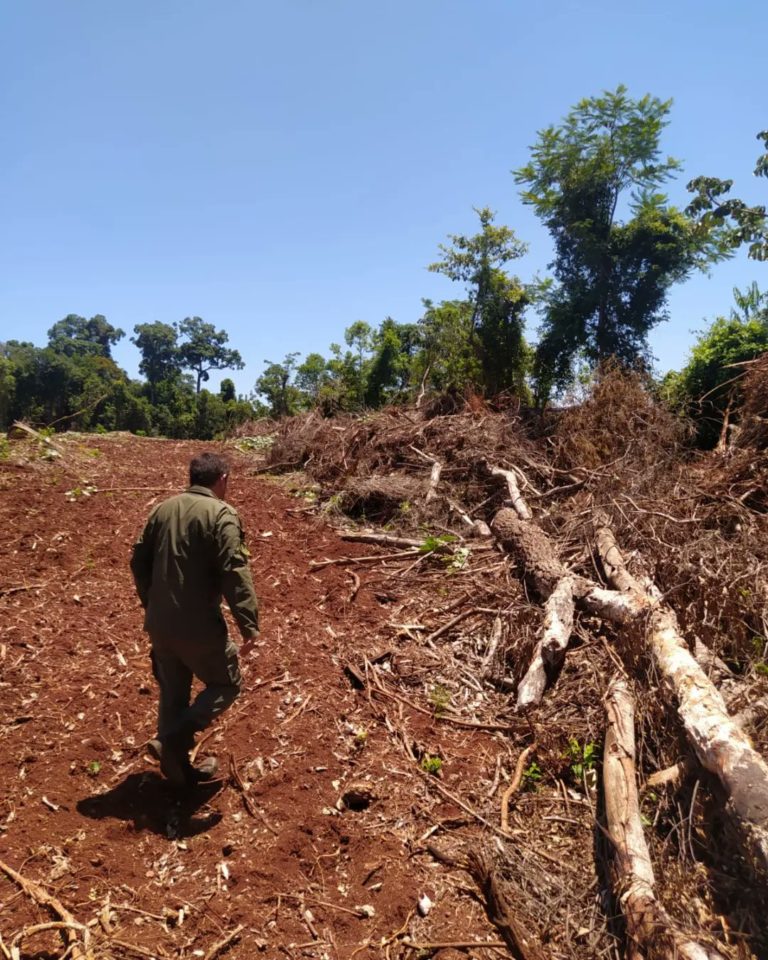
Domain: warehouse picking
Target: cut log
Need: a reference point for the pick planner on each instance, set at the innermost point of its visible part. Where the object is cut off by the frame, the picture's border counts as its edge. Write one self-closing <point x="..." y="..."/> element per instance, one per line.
<point x="720" y="744"/>
<point x="532" y="549"/>
<point x="650" y="931"/>
<point x="550" y="650"/>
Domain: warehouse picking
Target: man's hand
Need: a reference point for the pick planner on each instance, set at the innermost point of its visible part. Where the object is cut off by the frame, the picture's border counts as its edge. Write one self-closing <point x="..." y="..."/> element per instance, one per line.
<point x="249" y="644"/>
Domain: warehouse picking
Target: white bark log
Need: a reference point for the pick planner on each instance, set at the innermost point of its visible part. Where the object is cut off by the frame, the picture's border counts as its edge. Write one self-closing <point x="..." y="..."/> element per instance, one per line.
<point x="650" y="931"/>
<point x="550" y="650"/>
<point x="720" y="744"/>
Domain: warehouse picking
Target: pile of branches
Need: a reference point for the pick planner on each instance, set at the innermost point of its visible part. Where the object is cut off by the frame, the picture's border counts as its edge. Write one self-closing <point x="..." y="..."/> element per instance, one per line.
<point x="624" y="537"/>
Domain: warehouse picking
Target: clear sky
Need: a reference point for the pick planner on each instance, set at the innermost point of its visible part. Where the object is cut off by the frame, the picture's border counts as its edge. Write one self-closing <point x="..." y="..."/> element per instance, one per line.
<point x="283" y="169"/>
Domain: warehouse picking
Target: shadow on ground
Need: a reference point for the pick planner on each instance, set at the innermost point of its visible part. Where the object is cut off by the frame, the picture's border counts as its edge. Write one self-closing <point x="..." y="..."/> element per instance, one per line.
<point x="149" y="803"/>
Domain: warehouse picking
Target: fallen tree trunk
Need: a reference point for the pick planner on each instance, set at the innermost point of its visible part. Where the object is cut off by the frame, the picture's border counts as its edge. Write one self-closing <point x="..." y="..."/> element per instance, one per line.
<point x="720" y="744"/>
<point x="650" y="931"/>
<point x="550" y="650"/>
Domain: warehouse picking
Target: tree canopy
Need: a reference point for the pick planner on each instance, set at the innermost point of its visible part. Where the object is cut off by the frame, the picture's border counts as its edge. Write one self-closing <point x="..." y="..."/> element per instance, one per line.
<point x="595" y="181"/>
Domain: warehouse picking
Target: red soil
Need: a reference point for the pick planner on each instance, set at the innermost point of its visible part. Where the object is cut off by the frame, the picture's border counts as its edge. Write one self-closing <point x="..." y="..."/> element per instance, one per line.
<point x="84" y="812"/>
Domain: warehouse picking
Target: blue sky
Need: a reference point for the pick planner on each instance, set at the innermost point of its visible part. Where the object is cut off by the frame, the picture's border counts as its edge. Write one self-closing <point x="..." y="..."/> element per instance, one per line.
<point x="283" y="169"/>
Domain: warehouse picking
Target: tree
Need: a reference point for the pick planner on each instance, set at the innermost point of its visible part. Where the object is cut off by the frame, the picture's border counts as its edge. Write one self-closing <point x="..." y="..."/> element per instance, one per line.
<point x="204" y="349"/>
<point x="7" y="390"/>
<point x="497" y="300"/>
<point x="227" y="390"/>
<point x="611" y="275"/>
<point x="448" y="357"/>
<point x="275" y="386"/>
<point x="738" y="222"/>
<point x="359" y="337"/>
<point x="311" y="376"/>
<point x="76" y="336"/>
<point x="710" y="383"/>
<point x="160" y="359"/>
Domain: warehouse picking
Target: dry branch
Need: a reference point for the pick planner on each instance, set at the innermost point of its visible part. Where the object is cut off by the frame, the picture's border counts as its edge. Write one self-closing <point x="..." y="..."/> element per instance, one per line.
<point x="516" y="498"/>
<point x="499" y="906"/>
<point x="69" y="926"/>
<point x="650" y="931"/>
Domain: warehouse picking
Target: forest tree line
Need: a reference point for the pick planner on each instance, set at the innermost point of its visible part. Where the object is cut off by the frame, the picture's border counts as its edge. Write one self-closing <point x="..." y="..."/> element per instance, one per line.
<point x="597" y="183"/>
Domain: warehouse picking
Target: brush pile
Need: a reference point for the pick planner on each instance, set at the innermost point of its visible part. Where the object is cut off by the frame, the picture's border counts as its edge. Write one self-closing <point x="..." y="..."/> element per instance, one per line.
<point x="608" y="614"/>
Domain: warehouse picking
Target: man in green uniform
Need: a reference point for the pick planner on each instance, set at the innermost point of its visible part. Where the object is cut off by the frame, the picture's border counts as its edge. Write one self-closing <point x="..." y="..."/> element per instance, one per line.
<point x="190" y="555"/>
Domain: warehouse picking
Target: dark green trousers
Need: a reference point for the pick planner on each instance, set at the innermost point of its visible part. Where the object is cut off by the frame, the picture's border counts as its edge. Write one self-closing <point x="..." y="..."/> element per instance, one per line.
<point x="175" y="665"/>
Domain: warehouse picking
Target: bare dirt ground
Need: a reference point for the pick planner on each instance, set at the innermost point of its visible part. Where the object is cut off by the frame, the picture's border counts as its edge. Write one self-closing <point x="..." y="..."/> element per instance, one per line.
<point x="270" y="852"/>
<point x="379" y="794"/>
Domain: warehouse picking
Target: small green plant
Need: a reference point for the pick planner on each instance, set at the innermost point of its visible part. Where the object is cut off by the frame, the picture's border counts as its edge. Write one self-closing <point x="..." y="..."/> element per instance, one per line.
<point x="404" y="507"/>
<point x="430" y="764"/>
<point x="439" y="697"/>
<point x="432" y="543"/>
<point x="93" y="768"/>
<point x="761" y="668"/>
<point x="140" y="433"/>
<point x="100" y="428"/>
<point x="531" y="776"/>
<point x="583" y="758"/>
<point x="361" y="737"/>
<point x="5" y="448"/>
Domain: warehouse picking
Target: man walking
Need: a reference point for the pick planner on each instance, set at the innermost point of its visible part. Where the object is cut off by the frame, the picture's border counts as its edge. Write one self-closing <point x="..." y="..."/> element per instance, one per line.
<point x="190" y="555"/>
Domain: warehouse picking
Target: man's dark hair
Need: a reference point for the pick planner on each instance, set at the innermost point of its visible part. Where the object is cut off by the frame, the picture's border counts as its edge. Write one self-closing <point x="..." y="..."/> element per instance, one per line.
<point x="206" y="468"/>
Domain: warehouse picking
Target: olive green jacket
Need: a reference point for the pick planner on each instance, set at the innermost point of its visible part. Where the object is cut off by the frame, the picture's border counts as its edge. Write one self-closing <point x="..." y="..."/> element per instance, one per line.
<point x="190" y="555"/>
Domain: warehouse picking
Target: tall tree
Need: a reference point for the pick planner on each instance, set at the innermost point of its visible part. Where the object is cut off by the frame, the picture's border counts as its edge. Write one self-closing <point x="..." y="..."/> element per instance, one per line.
<point x="203" y="349"/>
<point x="159" y="349"/>
<point x="497" y="299"/>
<point x="76" y="336"/>
<point x="311" y="376"/>
<point x="276" y="387"/>
<point x="359" y="337"/>
<point x="595" y="181"/>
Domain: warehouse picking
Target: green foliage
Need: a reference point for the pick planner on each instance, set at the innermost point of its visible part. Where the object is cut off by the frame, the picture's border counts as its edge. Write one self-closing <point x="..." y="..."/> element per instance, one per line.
<point x="440" y="698"/>
<point x="75" y="336"/>
<point x="497" y="300"/>
<point x="732" y="221"/>
<point x="93" y="768"/>
<point x="203" y="349"/>
<point x="531" y="776"/>
<point x="160" y="359"/>
<point x="711" y="380"/>
<point x="583" y="758"/>
<point x="430" y="764"/>
<point x="448" y="358"/>
<point x="275" y="386"/>
<point x="432" y="543"/>
<point x="611" y="275"/>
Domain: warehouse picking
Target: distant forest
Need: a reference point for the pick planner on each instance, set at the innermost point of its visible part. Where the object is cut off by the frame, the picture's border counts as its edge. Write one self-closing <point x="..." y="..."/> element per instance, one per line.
<point x="596" y="181"/>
